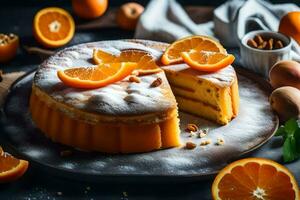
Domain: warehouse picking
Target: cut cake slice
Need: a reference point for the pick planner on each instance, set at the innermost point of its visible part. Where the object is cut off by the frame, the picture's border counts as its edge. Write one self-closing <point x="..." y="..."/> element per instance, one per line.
<point x="213" y="96"/>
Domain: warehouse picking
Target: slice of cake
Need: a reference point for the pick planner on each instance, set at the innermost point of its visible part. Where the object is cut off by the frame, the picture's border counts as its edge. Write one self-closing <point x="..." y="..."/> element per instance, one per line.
<point x="124" y="117"/>
<point x="213" y="96"/>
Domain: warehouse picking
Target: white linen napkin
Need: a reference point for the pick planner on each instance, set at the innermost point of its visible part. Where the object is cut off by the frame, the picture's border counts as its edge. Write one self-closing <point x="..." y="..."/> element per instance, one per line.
<point x="166" y="20"/>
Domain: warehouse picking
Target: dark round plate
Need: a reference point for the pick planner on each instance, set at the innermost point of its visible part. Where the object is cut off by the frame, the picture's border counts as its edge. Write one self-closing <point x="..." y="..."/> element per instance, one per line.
<point x="254" y="125"/>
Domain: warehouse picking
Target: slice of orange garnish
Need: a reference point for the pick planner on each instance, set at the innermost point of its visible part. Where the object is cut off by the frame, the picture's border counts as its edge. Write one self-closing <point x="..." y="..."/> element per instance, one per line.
<point x="200" y="43"/>
<point x="53" y="27"/>
<point x="207" y="61"/>
<point x="255" y="179"/>
<point x="11" y="168"/>
<point x="96" y="76"/>
<point x="145" y="61"/>
<point x="102" y="57"/>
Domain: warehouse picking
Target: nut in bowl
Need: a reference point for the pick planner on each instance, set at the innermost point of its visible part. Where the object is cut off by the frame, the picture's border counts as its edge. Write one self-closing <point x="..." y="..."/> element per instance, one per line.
<point x="260" y="50"/>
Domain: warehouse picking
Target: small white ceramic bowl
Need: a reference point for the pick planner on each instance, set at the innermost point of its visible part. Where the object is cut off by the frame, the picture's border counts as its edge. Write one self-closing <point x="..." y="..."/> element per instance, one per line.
<point x="261" y="61"/>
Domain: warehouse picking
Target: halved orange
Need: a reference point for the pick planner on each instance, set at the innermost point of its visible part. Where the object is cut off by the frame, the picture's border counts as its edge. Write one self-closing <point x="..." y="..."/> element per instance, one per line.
<point x="8" y="47"/>
<point x="53" y="27"/>
<point x="96" y="76"/>
<point x="255" y="179"/>
<point x="207" y="61"/>
<point x="145" y="61"/>
<point x="11" y="168"/>
<point x="198" y="42"/>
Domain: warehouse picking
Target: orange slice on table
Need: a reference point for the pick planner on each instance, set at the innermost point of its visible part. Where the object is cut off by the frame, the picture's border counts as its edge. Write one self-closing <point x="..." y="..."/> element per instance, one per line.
<point x="11" y="168"/>
<point x="255" y="179"/>
<point x="172" y="54"/>
<point x="207" y="61"/>
<point x="96" y="76"/>
<point x="53" y="27"/>
<point x="145" y="61"/>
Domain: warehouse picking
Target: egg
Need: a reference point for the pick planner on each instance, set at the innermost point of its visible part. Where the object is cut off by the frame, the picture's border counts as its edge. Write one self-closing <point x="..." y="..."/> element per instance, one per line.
<point x="285" y="73"/>
<point x="285" y="101"/>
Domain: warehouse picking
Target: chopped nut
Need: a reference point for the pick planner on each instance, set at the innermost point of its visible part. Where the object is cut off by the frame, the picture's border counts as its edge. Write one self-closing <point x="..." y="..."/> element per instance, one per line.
<point x="192" y="134"/>
<point x="270" y="44"/>
<point x="278" y="44"/>
<point x="202" y="133"/>
<point x="156" y="83"/>
<point x="263" y="45"/>
<point x="1" y="75"/>
<point x="258" y="39"/>
<point x="190" y="145"/>
<point x="191" y="128"/>
<point x="146" y="72"/>
<point x="220" y="141"/>
<point x="134" y="79"/>
<point x="205" y="142"/>
<point x="66" y="153"/>
<point x="252" y="43"/>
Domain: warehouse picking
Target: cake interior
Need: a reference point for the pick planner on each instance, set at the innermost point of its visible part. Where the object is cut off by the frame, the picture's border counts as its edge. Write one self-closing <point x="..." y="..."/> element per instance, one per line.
<point x="200" y="96"/>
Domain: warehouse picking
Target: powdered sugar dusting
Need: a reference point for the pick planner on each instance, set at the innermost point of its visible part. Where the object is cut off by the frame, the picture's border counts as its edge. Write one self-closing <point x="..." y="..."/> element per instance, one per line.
<point x="121" y="98"/>
<point x="129" y="96"/>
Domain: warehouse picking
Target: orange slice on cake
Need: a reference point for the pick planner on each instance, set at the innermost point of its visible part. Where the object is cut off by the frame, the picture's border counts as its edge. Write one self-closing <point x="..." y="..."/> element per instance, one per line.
<point x="207" y="61"/>
<point x="11" y="168"/>
<point x="255" y="179"/>
<point x="53" y="27"/>
<point x="145" y="61"/>
<point x="172" y="54"/>
<point x="96" y="76"/>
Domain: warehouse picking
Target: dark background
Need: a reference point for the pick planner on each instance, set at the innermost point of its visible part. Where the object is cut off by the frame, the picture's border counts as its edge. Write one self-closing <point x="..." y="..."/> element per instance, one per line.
<point x="16" y="16"/>
<point x="118" y="2"/>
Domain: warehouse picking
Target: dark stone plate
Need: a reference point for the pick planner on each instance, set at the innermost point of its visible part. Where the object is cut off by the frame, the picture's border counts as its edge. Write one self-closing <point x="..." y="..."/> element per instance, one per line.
<point x="254" y="125"/>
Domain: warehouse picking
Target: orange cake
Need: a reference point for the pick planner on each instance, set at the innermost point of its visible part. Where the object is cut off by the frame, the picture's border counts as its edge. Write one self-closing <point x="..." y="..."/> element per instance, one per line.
<point x="123" y="117"/>
<point x="126" y="116"/>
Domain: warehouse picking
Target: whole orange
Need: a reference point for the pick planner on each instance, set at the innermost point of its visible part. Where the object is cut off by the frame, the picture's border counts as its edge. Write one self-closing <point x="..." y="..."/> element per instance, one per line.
<point x="89" y="9"/>
<point x="290" y="25"/>
<point x="128" y="15"/>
